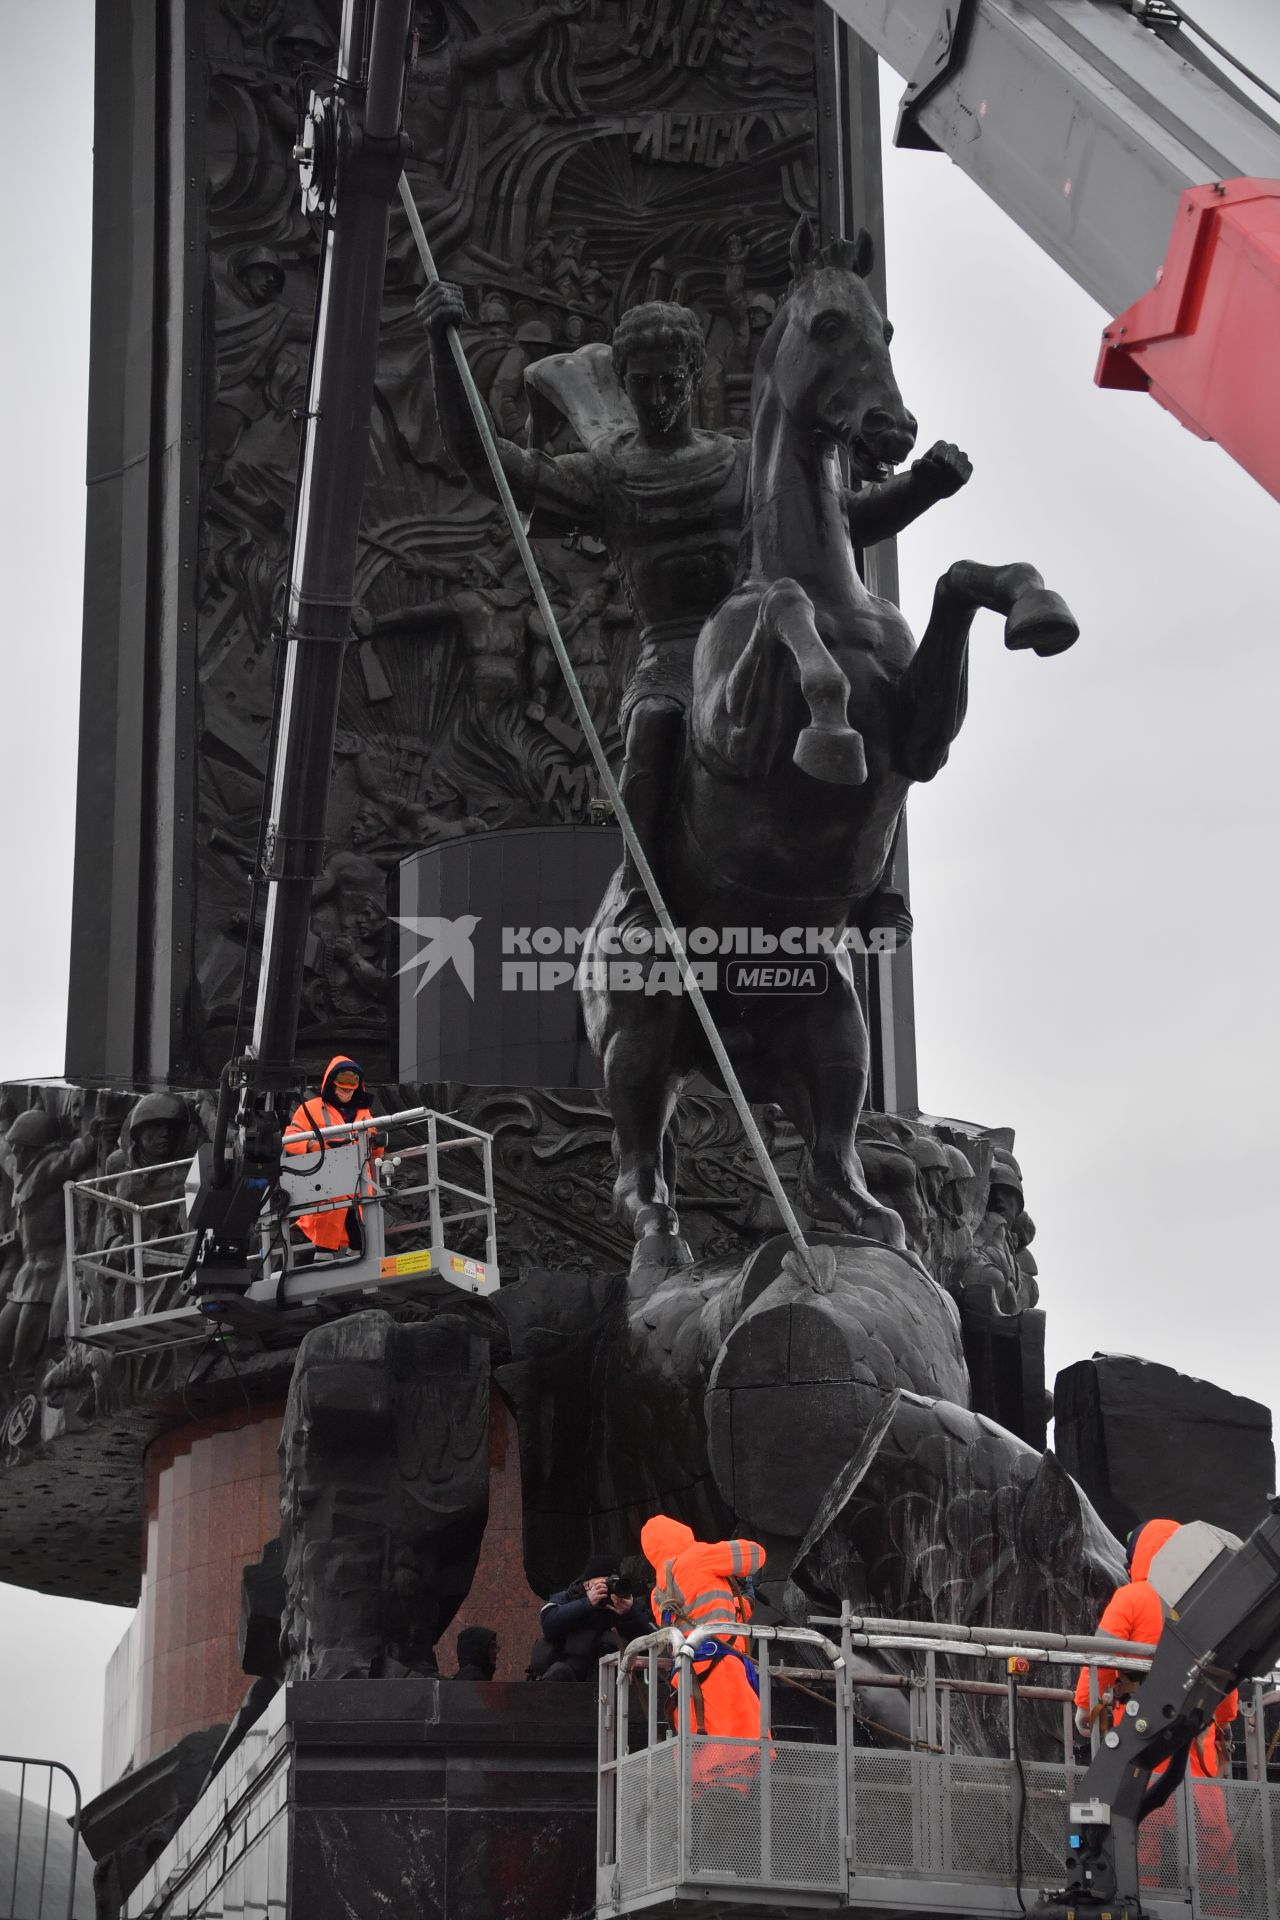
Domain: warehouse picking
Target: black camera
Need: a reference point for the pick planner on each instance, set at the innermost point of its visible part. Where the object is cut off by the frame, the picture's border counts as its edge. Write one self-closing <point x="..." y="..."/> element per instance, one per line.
<point x="618" y="1583"/>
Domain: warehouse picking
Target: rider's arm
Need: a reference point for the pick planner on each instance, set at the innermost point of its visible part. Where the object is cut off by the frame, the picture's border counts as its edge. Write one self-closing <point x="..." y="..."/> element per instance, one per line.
<point x="563" y="488"/>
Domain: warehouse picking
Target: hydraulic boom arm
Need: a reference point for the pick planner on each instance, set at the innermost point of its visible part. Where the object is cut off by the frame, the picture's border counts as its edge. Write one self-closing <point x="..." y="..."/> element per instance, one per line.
<point x="1226" y="1628"/>
<point x="1101" y="128"/>
<point x="352" y="154"/>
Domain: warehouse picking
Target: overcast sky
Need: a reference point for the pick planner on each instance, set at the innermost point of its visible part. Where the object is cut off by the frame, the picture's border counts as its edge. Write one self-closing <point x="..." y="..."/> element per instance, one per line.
<point x="1094" y="874"/>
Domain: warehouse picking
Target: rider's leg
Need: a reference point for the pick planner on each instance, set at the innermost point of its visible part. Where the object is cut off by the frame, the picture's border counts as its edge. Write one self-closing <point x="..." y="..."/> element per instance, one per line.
<point x="648" y="776"/>
<point x="885" y="909"/>
<point x="821" y="1056"/>
<point x="641" y="1087"/>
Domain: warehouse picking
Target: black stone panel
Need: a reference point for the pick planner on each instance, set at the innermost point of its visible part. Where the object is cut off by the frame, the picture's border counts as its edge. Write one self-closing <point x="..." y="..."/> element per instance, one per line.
<point x="549" y="878"/>
<point x="1145" y="1441"/>
<point x="438" y="1798"/>
<point x="353" y="1861"/>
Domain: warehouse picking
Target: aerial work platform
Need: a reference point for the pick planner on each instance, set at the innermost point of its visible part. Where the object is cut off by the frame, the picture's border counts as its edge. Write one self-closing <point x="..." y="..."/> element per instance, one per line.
<point x="426" y="1207"/>
<point x="910" y="1826"/>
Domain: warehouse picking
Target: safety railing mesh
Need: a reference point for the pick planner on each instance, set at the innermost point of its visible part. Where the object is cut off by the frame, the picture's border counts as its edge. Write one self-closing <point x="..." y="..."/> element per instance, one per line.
<point x="957" y="1818"/>
<point x="699" y="1816"/>
<point x="1231" y="1866"/>
<point x="1162" y="1849"/>
<point x="648" y="1820"/>
<point x="887" y="1811"/>
<point x="768" y="1815"/>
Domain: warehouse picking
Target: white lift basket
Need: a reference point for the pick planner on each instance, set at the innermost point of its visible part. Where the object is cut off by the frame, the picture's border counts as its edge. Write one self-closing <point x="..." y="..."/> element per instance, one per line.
<point x="419" y="1202"/>
<point x="911" y="1828"/>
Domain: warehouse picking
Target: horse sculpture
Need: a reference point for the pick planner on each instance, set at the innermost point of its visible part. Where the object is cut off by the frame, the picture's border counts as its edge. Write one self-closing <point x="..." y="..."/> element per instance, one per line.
<point x="813" y="714"/>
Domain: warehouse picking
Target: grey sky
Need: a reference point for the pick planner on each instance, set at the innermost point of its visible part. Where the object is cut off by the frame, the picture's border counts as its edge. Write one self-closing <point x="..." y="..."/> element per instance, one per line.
<point x="1093" y="874"/>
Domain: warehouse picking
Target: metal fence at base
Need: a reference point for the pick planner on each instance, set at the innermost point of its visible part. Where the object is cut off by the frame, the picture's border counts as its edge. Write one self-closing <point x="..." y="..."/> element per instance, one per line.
<point x="39" y="1858"/>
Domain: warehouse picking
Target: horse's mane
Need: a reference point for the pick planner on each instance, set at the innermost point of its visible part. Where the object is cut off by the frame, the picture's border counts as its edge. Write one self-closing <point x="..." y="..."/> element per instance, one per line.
<point x="843" y="254"/>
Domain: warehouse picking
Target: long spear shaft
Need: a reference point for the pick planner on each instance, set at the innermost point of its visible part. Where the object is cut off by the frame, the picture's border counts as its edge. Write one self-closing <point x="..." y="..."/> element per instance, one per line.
<point x="687" y="976"/>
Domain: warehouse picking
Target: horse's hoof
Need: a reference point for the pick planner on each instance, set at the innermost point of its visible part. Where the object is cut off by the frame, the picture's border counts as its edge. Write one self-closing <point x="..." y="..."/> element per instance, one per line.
<point x="1042" y="620"/>
<point x="833" y="754"/>
<point x="655" y="1254"/>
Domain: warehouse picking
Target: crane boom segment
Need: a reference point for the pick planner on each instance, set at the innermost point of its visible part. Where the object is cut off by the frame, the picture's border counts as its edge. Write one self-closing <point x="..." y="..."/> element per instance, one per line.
<point x="1101" y="136"/>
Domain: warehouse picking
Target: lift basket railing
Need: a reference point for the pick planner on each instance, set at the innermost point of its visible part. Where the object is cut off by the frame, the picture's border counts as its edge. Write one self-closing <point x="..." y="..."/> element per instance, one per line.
<point x="426" y="1207"/>
<point x="874" y="1803"/>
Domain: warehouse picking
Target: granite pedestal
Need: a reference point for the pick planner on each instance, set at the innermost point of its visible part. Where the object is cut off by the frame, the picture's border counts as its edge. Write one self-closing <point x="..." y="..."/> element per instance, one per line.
<point x="403" y="1797"/>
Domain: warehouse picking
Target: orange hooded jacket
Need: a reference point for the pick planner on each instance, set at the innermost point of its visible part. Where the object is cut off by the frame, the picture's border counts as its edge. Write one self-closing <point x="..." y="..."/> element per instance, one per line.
<point x="692" y="1585"/>
<point x="328" y="1229"/>
<point x="1136" y="1612"/>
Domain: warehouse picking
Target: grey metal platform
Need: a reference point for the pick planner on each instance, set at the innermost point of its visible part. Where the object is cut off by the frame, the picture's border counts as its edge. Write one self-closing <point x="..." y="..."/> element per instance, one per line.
<point x="691" y="1823"/>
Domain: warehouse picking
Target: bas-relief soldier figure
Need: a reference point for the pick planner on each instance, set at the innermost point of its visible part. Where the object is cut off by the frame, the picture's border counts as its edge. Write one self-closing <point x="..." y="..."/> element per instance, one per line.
<point x="261" y="358"/>
<point x="34" y="1311"/>
<point x="490" y="618"/>
<point x="156" y="1131"/>
<point x="667" y="499"/>
<point x="997" y="1274"/>
<point x="589" y="641"/>
<point x="445" y="168"/>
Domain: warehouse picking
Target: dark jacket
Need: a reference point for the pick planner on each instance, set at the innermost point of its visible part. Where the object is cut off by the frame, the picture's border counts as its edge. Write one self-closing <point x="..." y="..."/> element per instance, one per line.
<point x="576" y="1631"/>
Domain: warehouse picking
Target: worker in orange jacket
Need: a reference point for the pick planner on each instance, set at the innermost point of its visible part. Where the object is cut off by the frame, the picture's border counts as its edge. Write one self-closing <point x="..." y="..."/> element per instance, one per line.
<point x="697" y="1580"/>
<point x="343" y="1099"/>
<point x="1136" y="1612"/>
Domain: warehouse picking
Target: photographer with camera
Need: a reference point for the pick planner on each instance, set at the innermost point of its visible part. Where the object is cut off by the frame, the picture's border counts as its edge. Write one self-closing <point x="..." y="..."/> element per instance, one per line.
<point x="596" y="1615"/>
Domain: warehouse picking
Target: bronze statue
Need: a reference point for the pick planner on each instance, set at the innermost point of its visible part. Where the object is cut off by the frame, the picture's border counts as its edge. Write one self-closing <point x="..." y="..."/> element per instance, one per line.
<point x="667" y="499"/>
<point x="813" y="714"/>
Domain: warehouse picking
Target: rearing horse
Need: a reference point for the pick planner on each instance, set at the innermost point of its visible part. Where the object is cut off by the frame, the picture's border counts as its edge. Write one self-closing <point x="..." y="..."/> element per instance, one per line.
<point x="813" y="714"/>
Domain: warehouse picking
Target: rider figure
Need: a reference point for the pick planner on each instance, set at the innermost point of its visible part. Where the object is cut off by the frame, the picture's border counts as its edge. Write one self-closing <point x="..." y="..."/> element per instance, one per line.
<point x="667" y="499"/>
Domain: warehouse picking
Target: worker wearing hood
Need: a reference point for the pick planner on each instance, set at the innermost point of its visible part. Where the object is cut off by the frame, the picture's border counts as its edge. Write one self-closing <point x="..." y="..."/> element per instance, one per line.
<point x="696" y="1581"/>
<point x="1136" y="1612"/>
<point x="343" y="1097"/>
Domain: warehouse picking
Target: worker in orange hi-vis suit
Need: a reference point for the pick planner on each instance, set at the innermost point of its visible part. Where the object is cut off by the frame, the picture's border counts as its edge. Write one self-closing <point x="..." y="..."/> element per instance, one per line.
<point x="1136" y="1612"/>
<point x="697" y="1580"/>
<point x="342" y="1100"/>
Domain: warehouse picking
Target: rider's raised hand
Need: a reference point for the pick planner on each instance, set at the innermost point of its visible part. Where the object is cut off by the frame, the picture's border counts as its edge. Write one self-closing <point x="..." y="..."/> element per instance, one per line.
<point x="440" y="305"/>
<point x="944" y="469"/>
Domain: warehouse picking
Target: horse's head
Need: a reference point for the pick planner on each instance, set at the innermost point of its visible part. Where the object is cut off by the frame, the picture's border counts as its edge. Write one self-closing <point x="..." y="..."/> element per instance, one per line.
<point x="826" y="356"/>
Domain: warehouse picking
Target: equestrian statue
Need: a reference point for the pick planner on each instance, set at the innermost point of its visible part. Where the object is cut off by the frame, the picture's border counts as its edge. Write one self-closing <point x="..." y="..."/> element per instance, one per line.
<point x="771" y="747"/>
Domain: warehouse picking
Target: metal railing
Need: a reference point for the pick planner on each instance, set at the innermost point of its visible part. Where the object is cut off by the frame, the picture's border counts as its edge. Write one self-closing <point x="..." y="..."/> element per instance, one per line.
<point x="35" y="1855"/>
<point x="128" y="1243"/>
<point x="880" y="1802"/>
